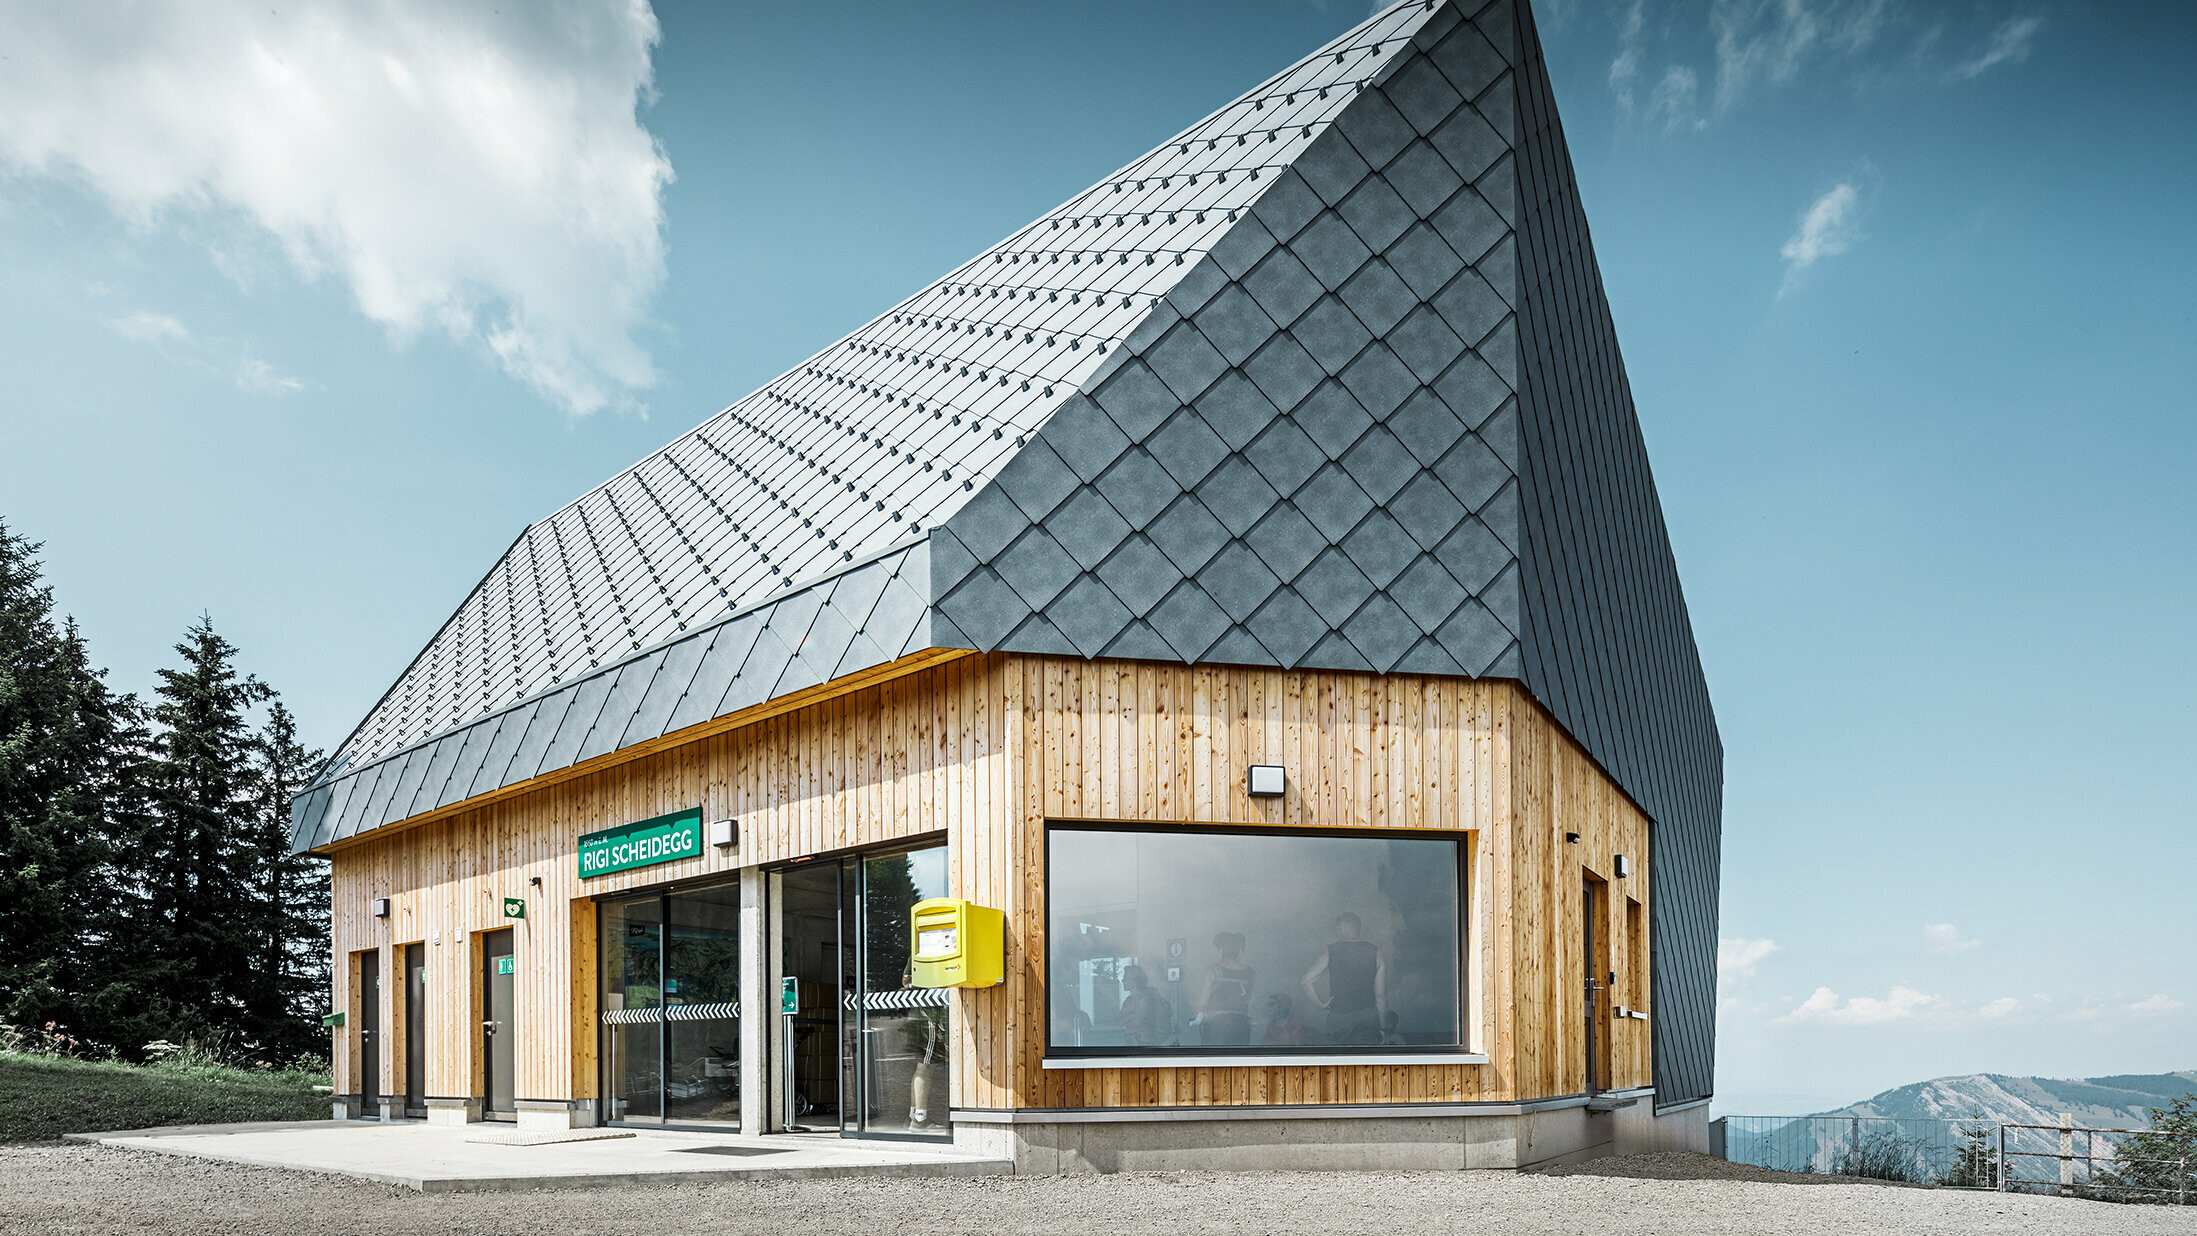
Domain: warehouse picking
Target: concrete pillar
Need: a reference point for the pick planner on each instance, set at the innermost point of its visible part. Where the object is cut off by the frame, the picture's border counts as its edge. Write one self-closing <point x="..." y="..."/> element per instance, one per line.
<point x="756" y="1007"/>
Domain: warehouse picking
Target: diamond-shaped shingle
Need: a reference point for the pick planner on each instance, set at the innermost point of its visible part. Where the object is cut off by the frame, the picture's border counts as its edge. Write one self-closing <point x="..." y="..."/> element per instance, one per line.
<point x="1237" y="495"/>
<point x="1237" y="580"/>
<point x="1234" y="324"/>
<point x="1139" y="574"/>
<point x="1378" y="296"/>
<point x="1188" y="534"/>
<point x="1284" y="455"/>
<point x="1188" y="448"/>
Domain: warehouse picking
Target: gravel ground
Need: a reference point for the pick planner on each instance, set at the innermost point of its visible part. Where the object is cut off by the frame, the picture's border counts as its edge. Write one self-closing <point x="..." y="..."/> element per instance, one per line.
<point x="87" y="1189"/>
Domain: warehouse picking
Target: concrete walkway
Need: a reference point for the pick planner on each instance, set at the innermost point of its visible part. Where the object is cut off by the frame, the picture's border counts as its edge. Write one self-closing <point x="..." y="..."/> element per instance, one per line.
<point x="468" y="1159"/>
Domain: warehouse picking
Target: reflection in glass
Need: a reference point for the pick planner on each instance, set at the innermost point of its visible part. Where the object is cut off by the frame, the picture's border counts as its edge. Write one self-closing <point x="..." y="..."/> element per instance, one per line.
<point x="701" y="986"/>
<point x="903" y="1028"/>
<point x="632" y="936"/>
<point x="1232" y="941"/>
<point x="670" y="1023"/>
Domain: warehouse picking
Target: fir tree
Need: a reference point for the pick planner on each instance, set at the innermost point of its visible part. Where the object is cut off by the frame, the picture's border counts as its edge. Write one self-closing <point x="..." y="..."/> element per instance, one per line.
<point x="61" y="764"/>
<point x="288" y="902"/>
<point x="193" y="911"/>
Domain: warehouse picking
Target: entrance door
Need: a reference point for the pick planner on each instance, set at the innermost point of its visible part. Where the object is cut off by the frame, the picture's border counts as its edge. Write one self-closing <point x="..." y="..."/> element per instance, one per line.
<point x="1594" y="935"/>
<point x="370" y="1032"/>
<point x="671" y="1007"/>
<point x="862" y="1049"/>
<point x="415" y="1030"/>
<point x="499" y="1024"/>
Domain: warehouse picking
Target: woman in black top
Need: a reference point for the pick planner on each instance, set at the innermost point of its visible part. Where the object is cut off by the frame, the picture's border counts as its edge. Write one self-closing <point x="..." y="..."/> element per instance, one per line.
<point x="1357" y="985"/>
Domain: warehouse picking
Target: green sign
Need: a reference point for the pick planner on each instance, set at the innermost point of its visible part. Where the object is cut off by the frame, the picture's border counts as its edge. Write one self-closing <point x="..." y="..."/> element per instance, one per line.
<point x="332" y="1020"/>
<point x="664" y="839"/>
<point x="507" y="965"/>
<point x="789" y="996"/>
<point x="514" y="907"/>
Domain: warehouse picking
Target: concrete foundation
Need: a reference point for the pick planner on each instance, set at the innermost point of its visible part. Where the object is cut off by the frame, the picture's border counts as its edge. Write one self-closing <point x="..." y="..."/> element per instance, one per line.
<point x="1421" y="1137"/>
<point x="445" y="1112"/>
<point x="549" y="1115"/>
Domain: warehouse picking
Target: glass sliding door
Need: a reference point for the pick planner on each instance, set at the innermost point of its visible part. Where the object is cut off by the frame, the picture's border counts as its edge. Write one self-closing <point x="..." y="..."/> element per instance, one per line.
<point x="702" y="1006"/>
<point x="863" y="1049"/>
<point x="631" y="937"/>
<point x="900" y="1034"/>
<point x="670" y="1035"/>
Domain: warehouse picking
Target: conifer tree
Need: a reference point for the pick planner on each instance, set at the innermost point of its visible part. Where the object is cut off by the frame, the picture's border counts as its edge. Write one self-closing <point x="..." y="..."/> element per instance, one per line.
<point x="288" y="902"/>
<point x="60" y="767"/>
<point x="193" y="907"/>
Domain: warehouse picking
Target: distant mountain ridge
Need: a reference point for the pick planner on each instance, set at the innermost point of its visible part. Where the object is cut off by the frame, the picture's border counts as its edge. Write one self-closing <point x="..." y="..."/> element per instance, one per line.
<point x="2119" y="1101"/>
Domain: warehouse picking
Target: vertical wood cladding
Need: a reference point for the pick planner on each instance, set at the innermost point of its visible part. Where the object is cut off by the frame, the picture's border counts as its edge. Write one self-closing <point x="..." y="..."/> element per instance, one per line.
<point x="982" y="751"/>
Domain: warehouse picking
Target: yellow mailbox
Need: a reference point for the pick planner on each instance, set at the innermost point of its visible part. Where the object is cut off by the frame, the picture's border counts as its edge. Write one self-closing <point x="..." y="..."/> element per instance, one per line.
<point x="958" y="944"/>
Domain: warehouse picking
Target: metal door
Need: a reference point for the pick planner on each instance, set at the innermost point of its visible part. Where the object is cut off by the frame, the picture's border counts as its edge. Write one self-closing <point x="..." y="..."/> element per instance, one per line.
<point x="370" y="1032"/>
<point x="415" y="1030"/>
<point x="499" y="1025"/>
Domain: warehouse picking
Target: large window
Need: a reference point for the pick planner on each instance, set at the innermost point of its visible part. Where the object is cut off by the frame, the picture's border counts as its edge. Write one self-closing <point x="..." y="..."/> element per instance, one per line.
<point x="1196" y="941"/>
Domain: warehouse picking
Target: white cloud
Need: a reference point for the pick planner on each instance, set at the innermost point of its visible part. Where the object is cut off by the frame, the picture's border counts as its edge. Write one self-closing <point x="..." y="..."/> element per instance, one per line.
<point x="1946" y="940"/>
<point x="1625" y="68"/>
<point x="1760" y="39"/>
<point x="1737" y="958"/>
<point x="220" y="358"/>
<point x="2157" y="1005"/>
<point x="145" y="326"/>
<point x="1999" y="1009"/>
<point x="460" y="169"/>
<point x="1675" y="99"/>
<point x="2009" y="44"/>
<point x="260" y="378"/>
<point x="1830" y="226"/>
<point x="1824" y="1008"/>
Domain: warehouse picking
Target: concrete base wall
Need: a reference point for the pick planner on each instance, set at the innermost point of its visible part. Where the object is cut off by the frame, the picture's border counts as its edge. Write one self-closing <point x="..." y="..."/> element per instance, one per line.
<point x="446" y="1112"/>
<point x="551" y="1115"/>
<point x="1303" y="1142"/>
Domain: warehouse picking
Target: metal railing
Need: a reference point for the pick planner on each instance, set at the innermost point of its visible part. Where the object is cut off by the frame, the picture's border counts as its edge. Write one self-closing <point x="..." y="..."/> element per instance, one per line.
<point x="2155" y="1168"/>
<point x="2066" y="1159"/>
<point x="1937" y="1152"/>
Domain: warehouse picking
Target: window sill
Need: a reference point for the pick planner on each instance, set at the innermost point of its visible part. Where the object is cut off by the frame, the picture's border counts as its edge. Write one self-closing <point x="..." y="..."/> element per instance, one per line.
<point x="1383" y="1059"/>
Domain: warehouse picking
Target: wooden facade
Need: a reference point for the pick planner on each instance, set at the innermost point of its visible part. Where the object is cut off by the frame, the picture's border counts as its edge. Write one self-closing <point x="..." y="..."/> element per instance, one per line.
<point x="980" y="751"/>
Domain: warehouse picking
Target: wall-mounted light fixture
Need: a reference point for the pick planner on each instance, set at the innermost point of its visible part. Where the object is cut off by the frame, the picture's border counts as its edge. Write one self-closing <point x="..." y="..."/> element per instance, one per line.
<point x="536" y="881"/>
<point x="1265" y="781"/>
<point x="724" y="834"/>
<point x="1571" y="838"/>
<point x="381" y="907"/>
<point x="1622" y="867"/>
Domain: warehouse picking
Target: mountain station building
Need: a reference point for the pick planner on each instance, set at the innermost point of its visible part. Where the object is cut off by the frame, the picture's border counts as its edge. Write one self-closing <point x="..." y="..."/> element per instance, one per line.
<point x="1235" y="608"/>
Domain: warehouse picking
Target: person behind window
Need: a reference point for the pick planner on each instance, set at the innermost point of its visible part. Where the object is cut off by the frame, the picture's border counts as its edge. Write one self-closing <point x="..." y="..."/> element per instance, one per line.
<point x="1283" y="1027"/>
<point x="1147" y="1020"/>
<point x="1224" y="1005"/>
<point x="1357" y="985"/>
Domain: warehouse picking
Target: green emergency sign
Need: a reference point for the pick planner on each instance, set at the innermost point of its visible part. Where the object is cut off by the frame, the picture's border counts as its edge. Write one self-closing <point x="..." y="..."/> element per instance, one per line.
<point x="667" y="838"/>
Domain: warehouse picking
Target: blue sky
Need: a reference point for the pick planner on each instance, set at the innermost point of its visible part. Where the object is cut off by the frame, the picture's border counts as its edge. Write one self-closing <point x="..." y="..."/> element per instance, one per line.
<point x="306" y="313"/>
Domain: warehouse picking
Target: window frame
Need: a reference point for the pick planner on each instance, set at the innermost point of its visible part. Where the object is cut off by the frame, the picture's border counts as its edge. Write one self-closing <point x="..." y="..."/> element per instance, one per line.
<point x="1059" y="1056"/>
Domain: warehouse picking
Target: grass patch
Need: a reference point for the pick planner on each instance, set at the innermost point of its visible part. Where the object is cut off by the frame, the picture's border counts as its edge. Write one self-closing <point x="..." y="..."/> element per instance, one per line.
<point x="42" y="1097"/>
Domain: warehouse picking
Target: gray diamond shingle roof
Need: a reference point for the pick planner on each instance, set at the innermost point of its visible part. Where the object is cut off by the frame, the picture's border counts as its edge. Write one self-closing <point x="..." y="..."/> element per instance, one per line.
<point x="885" y="432"/>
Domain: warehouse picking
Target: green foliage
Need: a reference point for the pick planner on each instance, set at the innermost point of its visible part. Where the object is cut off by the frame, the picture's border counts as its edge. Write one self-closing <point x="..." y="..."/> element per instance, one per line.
<point x="1883" y="1156"/>
<point x="48" y="1096"/>
<point x="147" y="891"/>
<point x="1975" y="1154"/>
<point x="2159" y="1165"/>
